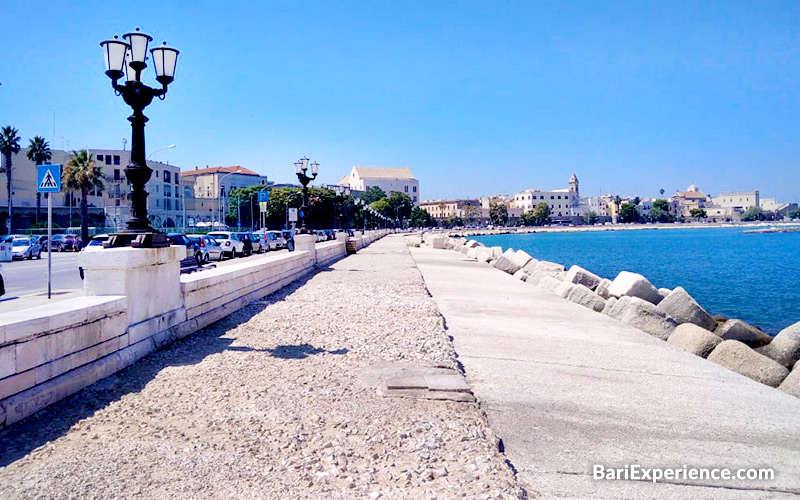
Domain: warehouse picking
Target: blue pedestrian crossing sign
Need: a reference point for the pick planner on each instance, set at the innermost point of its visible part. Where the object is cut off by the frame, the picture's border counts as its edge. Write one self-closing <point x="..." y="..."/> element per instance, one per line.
<point x="48" y="178"/>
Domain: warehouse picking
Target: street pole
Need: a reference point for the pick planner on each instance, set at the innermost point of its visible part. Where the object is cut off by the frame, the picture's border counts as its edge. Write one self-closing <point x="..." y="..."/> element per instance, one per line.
<point x="49" y="242"/>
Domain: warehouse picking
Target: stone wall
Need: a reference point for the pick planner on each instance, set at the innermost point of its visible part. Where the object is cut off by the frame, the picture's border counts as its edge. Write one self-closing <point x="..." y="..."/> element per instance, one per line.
<point x="52" y="351"/>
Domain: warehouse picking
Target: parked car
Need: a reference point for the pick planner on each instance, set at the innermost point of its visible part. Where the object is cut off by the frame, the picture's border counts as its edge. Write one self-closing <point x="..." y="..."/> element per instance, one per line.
<point x="255" y="242"/>
<point x="192" y="247"/>
<point x="2" y="282"/>
<point x="258" y="242"/>
<point x="275" y="240"/>
<point x="64" y="242"/>
<point x="96" y="243"/>
<point x="288" y="237"/>
<point x="230" y="243"/>
<point x="330" y="234"/>
<point x="209" y="247"/>
<point x="25" y="248"/>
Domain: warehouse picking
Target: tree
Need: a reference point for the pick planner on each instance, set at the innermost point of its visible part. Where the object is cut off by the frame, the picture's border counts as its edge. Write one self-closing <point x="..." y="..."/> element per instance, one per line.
<point x="280" y="199"/>
<point x="660" y="215"/>
<point x="628" y="213"/>
<point x="400" y="204"/>
<point x="420" y="218"/>
<point x="661" y="204"/>
<point x="471" y="213"/>
<point x="754" y="213"/>
<point x="372" y="195"/>
<point x="39" y="153"/>
<point x="590" y="217"/>
<point x="9" y="145"/>
<point x="498" y="213"/>
<point x="795" y="214"/>
<point x="82" y="174"/>
<point x="661" y="191"/>
<point x="698" y="213"/>
<point x="541" y="214"/>
<point x="526" y="219"/>
<point x="244" y="201"/>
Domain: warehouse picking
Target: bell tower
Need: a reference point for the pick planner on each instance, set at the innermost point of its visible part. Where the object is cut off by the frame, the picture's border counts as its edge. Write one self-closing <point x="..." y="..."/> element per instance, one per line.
<point x="573" y="185"/>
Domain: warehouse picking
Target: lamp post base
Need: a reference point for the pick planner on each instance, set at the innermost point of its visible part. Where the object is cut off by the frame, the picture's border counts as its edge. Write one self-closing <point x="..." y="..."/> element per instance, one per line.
<point x="148" y="239"/>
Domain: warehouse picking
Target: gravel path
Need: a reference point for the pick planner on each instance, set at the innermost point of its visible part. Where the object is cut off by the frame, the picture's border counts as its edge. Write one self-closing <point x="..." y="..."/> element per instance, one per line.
<point x="268" y="403"/>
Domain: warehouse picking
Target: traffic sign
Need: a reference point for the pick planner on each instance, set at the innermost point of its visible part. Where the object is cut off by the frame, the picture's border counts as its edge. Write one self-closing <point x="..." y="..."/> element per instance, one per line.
<point x="263" y="206"/>
<point x="263" y="196"/>
<point x="48" y="178"/>
<point x="292" y="215"/>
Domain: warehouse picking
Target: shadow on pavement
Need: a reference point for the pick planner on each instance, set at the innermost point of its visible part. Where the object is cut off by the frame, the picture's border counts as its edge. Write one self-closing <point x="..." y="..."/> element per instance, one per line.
<point x="49" y="424"/>
<point x="301" y="351"/>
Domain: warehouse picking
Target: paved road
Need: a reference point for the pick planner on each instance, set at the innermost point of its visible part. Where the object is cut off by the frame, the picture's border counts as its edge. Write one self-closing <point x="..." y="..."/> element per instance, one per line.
<point x="26" y="277"/>
<point x="566" y="388"/>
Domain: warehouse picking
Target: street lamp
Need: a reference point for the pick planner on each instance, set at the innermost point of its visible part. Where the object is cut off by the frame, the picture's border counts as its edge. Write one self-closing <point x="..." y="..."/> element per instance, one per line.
<point x="127" y="59"/>
<point x="301" y="167"/>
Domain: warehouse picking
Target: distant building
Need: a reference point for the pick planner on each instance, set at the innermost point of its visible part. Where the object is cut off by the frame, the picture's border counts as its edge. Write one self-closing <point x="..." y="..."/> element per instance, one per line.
<point x="447" y="209"/>
<point x="387" y="178"/>
<point x="683" y="202"/>
<point x="206" y="191"/>
<point x="739" y="201"/>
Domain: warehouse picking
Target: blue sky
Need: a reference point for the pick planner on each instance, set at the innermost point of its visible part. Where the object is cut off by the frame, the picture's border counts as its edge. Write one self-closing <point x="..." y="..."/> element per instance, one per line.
<point x="476" y="98"/>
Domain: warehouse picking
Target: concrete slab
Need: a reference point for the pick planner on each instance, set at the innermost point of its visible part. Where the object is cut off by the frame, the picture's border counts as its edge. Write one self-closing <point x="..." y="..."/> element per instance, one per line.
<point x="567" y="388"/>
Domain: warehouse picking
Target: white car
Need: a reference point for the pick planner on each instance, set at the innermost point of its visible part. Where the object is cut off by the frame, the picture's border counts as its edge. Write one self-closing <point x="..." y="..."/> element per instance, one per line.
<point x="231" y="245"/>
<point x="96" y="243"/>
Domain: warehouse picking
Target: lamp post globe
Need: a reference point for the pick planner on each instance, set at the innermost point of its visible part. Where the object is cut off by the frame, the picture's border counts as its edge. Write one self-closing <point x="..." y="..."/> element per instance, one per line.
<point x="128" y="59"/>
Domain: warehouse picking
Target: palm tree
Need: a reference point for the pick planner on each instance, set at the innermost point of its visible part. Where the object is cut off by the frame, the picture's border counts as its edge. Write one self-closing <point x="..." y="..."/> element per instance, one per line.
<point x="39" y="153"/>
<point x="9" y="145"/>
<point x="81" y="174"/>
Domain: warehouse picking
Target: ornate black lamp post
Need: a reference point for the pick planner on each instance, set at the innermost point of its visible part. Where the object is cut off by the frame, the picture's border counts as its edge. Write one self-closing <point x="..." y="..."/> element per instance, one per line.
<point x="127" y="59"/>
<point x="301" y="166"/>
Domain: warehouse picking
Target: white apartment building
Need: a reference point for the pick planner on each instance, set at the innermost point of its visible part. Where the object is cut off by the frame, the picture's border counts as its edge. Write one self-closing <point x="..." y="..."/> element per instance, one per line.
<point x="387" y="178"/>
<point x="163" y="205"/>
<point x="561" y="202"/>
<point x="739" y="201"/>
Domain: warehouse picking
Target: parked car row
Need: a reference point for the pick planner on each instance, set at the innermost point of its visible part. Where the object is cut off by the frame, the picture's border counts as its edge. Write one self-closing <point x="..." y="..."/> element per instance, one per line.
<point x="325" y="234"/>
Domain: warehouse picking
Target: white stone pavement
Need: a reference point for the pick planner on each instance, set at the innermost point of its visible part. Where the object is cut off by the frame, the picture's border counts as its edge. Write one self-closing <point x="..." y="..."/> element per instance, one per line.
<point x="566" y="388"/>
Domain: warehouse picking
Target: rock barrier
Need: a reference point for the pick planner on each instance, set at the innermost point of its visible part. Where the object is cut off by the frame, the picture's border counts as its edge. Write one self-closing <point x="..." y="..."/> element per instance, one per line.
<point x="670" y="315"/>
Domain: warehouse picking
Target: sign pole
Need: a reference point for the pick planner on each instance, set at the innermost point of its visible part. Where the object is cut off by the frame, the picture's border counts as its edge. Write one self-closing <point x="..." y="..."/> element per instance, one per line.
<point x="48" y="179"/>
<point x="49" y="245"/>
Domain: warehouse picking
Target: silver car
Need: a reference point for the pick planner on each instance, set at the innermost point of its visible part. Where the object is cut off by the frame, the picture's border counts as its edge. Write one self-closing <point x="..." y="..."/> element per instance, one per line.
<point x="209" y="247"/>
<point x="230" y="243"/>
<point x="25" y="248"/>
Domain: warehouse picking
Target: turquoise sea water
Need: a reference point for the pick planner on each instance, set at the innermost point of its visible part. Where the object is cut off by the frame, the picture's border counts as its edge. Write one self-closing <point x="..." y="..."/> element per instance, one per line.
<point x="753" y="277"/>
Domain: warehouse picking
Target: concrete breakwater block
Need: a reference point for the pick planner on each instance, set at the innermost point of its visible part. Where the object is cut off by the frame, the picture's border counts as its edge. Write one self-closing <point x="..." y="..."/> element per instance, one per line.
<point x="602" y="288"/>
<point x="564" y="289"/>
<point x="511" y="261"/>
<point x="791" y="384"/>
<point x="609" y="305"/>
<point x="633" y="285"/>
<point x="581" y="276"/>
<point x="580" y="294"/>
<point x="693" y="339"/>
<point x="684" y="309"/>
<point x="549" y="267"/>
<point x="736" y="329"/>
<point x="783" y="350"/>
<point x="521" y="275"/>
<point x="791" y="332"/>
<point x="738" y="357"/>
<point x="643" y="315"/>
<point x="549" y="284"/>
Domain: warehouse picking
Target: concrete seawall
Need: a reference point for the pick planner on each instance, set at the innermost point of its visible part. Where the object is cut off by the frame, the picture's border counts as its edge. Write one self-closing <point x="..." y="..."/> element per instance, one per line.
<point x="49" y="352"/>
<point x="566" y="387"/>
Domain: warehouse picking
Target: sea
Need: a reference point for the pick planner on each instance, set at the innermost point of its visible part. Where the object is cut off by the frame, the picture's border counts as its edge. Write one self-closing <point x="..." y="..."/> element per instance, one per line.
<point x="754" y="277"/>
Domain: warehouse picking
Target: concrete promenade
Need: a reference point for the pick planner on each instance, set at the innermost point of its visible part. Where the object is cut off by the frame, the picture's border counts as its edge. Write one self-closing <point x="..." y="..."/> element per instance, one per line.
<point x="275" y="401"/>
<point x="565" y="388"/>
